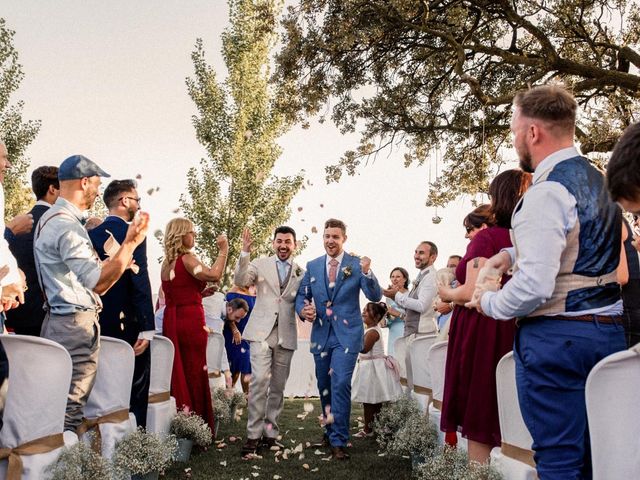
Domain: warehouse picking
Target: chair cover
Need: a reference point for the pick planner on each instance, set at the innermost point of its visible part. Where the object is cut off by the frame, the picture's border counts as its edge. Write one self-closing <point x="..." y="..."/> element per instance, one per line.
<point x="437" y="359"/>
<point x="160" y="413"/>
<point x="516" y="439"/>
<point x="215" y="351"/>
<point x="302" y="377"/>
<point x="612" y="395"/>
<point x="418" y="367"/>
<point x="111" y="392"/>
<point x="400" y="354"/>
<point x="39" y="379"/>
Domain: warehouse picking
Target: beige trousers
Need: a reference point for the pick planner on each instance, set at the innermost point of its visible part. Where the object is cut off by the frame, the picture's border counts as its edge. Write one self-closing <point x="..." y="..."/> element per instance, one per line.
<point x="270" y="365"/>
<point x="79" y="333"/>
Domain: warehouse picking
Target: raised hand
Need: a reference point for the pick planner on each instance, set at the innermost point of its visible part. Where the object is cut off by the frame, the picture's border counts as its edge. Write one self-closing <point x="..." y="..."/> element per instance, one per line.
<point x="222" y="242"/>
<point x="247" y="241"/>
<point x="137" y="230"/>
<point x="365" y="264"/>
<point x="390" y="292"/>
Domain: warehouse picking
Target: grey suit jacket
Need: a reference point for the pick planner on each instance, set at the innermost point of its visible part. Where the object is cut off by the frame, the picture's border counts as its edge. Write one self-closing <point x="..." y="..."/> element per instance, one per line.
<point x="271" y="305"/>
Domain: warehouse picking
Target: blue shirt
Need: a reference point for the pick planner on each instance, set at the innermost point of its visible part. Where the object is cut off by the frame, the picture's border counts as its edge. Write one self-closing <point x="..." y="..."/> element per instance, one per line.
<point x="540" y="230"/>
<point x="68" y="266"/>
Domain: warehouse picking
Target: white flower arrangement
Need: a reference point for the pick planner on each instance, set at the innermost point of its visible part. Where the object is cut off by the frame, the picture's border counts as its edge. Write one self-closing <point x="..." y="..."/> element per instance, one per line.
<point x="417" y="437"/>
<point x="226" y="403"/>
<point x="451" y="464"/>
<point x="140" y="453"/>
<point x="80" y="462"/>
<point x="392" y="418"/>
<point x="189" y="425"/>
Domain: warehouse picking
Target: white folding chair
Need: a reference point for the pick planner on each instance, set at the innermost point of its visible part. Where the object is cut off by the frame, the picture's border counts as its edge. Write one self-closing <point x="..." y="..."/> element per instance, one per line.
<point x="612" y="394"/>
<point x="162" y="406"/>
<point x="108" y="403"/>
<point x="215" y="350"/>
<point x="418" y="368"/>
<point x="514" y="459"/>
<point x="38" y="385"/>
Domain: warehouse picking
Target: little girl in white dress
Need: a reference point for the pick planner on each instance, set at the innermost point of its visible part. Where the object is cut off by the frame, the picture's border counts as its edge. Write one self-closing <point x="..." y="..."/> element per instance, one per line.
<point x="376" y="378"/>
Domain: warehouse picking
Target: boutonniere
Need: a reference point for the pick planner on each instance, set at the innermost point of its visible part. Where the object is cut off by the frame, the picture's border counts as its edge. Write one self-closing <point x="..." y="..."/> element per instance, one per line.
<point x="347" y="271"/>
<point x="415" y="282"/>
<point x="297" y="272"/>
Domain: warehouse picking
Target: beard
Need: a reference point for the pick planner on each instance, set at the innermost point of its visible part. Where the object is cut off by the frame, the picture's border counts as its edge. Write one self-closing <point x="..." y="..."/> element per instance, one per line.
<point x="526" y="163"/>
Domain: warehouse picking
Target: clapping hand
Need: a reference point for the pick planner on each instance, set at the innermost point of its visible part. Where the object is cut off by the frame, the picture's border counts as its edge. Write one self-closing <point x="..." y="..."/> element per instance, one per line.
<point x="222" y="242"/>
<point x="137" y="230"/>
<point x="390" y="292"/>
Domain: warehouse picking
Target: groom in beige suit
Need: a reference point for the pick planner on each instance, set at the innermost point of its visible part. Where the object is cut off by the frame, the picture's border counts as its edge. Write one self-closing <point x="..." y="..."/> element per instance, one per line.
<point x="272" y="332"/>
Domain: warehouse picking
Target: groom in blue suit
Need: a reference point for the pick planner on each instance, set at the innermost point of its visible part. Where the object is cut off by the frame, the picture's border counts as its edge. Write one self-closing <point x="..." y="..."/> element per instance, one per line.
<point x="329" y="296"/>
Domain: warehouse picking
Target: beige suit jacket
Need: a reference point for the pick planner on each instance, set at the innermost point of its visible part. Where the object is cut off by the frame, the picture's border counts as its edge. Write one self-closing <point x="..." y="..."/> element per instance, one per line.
<point x="270" y="304"/>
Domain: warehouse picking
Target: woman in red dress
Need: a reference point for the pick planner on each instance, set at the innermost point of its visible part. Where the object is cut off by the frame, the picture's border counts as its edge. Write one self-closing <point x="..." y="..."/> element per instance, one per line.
<point x="184" y="278"/>
<point x="477" y="343"/>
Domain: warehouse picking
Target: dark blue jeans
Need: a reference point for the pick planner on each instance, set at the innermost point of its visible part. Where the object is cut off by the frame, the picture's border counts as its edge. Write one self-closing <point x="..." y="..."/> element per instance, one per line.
<point x="553" y="359"/>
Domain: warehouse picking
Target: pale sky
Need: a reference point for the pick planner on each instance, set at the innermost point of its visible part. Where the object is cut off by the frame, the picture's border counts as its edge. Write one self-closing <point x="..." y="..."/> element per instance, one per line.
<point x="107" y="81"/>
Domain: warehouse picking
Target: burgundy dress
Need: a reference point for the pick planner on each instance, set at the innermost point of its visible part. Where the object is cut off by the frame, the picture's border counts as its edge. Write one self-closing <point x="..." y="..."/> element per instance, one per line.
<point x="183" y="324"/>
<point x="476" y="345"/>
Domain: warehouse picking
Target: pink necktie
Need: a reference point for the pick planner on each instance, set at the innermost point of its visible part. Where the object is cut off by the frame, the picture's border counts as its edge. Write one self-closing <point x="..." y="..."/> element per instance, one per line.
<point x="333" y="270"/>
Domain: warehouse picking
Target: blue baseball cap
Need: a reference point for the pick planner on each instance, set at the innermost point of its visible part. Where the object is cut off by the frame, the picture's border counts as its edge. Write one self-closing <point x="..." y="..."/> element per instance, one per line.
<point x="79" y="166"/>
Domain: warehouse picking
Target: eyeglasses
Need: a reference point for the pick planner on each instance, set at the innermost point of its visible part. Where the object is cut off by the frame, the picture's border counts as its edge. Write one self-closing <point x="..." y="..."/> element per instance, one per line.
<point x="137" y="199"/>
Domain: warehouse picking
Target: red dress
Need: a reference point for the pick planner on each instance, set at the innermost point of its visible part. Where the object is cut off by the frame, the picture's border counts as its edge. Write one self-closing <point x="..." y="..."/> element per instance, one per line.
<point x="476" y="345"/>
<point x="183" y="324"/>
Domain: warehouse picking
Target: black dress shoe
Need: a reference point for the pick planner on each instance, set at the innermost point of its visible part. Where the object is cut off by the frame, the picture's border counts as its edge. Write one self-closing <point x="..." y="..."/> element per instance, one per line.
<point x="324" y="443"/>
<point x="339" y="453"/>
<point x="272" y="443"/>
<point x="250" y="447"/>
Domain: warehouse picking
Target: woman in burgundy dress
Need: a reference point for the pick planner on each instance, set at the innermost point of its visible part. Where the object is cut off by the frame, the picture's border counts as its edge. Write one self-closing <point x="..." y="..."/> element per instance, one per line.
<point x="184" y="278"/>
<point x="477" y="343"/>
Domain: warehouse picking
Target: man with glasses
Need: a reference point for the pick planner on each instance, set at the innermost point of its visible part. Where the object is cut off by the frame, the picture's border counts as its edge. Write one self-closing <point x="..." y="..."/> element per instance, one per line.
<point x="127" y="311"/>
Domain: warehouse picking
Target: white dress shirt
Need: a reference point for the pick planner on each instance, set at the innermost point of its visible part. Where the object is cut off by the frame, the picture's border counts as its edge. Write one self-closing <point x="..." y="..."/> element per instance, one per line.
<point x="540" y="230"/>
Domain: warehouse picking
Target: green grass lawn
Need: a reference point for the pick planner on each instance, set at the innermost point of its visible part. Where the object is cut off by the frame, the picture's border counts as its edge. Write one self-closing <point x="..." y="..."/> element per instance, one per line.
<point x="227" y="464"/>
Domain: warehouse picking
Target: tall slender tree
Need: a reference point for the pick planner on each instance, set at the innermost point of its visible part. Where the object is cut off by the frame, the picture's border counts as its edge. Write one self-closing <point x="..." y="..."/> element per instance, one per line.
<point x="16" y="133"/>
<point x="238" y="122"/>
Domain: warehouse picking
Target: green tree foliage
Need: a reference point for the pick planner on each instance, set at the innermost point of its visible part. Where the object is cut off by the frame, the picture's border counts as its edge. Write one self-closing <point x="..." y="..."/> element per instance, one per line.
<point x="16" y="133"/>
<point x="420" y="74"/>
<point x="238" y="123"/>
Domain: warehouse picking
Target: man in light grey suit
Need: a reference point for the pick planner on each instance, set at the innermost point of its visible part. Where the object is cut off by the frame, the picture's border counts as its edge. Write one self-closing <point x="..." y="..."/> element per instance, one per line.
<point x="272" y="332"/>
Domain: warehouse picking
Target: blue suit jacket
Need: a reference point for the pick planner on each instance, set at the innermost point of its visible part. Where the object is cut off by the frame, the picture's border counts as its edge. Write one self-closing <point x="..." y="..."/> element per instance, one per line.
<point x="339" y="306"/>
<point x="131" y="294"/>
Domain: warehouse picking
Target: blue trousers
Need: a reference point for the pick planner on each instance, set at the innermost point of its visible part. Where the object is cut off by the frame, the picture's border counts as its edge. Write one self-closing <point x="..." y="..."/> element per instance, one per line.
<point x="553" y="359"/>
<point x="334" y="369"/>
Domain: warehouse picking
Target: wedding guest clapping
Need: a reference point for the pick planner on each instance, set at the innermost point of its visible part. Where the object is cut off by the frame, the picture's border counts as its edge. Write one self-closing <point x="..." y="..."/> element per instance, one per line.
<point x="394" y="319"/>
<point x="184" y="277"/>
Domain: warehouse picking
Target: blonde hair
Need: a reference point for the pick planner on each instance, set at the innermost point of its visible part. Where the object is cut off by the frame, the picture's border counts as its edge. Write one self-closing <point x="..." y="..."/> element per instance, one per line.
<point x="172" y="243"/>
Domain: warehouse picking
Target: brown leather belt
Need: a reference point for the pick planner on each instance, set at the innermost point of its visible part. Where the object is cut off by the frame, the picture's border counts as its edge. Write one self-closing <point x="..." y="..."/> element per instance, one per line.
<point x="608" y="319"/>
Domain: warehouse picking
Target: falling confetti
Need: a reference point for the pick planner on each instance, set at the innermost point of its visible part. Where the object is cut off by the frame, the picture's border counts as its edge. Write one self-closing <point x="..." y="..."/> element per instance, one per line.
<point x="223" y="463"/>
<point x="322" y="205"/>
<point x="314" y="230"/>
<point x="305" y="466"/>
<point x="138" y="177"/>
<point x="315" y="469"/>
<point x="329" y="311"/>
<point x="331" y="285"/>
<point x="299" y="209"/>
<point x="325" y="392"/>
<point x="150" y="191"/>
<point x="308" y="407"/>
<point x="197" y="269"/>
<point x="176" y="210"/>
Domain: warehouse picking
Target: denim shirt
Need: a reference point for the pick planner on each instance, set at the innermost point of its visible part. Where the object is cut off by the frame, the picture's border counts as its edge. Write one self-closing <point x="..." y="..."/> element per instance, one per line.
<point x="68" y="267"/>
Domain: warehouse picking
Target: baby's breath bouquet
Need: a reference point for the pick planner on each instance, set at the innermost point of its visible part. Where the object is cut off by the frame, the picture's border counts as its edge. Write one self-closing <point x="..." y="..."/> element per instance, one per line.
<point x="186" y="424"/>
<point x="417" y="437"/>
<point x="392" y="418"/>
<point x="80" y="462"/>
<point x="451" y="464"/>
<point x="140" y="453"/>
<point x="226" y="404"/>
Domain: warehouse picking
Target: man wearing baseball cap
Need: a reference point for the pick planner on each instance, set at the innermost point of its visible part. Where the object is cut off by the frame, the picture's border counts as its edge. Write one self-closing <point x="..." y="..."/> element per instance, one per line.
<point x="73" y="278"/>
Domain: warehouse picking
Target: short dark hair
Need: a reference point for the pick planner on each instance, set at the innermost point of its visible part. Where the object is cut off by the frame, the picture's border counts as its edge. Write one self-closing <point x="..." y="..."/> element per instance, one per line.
<point x="505" y="191"/>
<point x="284" y="229"/>
<point x="552" y="104"/>
<point x="479" y="215"/>
<point x="455" y="256"/>
<point x="335" y="223"/>
<point x="42" y="178"/>
<point x="238" y="303"/>
<point x="404" y="273"/>
<point x="377" y="309"/>
<point x="433" y="250"/>
<point x="115" y="189"/>
<point x="623" y="170"/>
